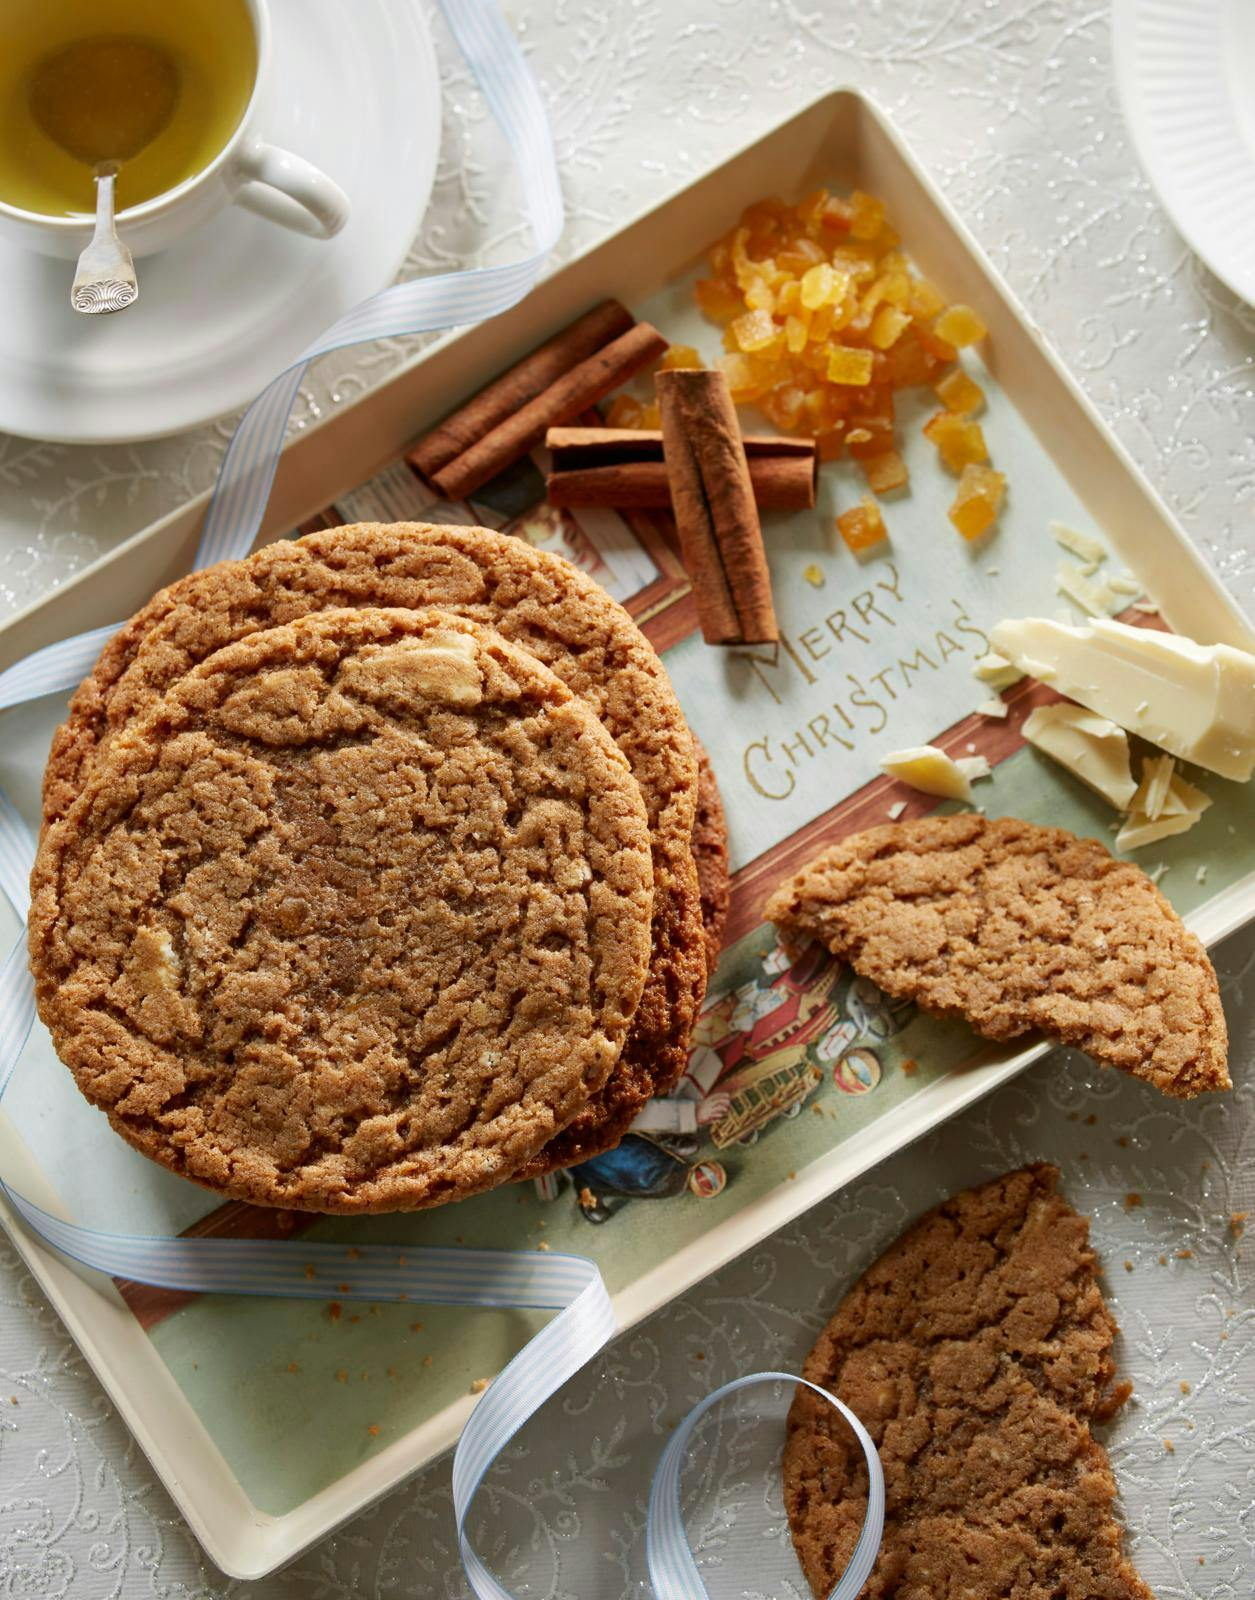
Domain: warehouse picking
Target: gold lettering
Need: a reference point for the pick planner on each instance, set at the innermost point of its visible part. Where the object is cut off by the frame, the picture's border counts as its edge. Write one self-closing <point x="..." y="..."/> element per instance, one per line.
<point x="821" y="730"/>
<point x="787" y="750"/>
<point x="754" y="782"/>
<point x="964" y="624"/>
<point x="797" y="660"/>
<point x="859" y="697"/>
<point x="757" y="663"/>
<point x="879" y="677"/>
<point x="839" y="629"/>
<point x="805" y="639"/>
<point x="865" y="604"/>
<point x="891" y="588"/>
<point x="946" y="645"/>
<point x="913" y="665"/>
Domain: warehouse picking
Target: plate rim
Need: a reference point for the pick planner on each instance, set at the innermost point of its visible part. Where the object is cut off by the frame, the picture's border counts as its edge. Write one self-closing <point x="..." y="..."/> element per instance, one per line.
<point x="1126" y="16"/>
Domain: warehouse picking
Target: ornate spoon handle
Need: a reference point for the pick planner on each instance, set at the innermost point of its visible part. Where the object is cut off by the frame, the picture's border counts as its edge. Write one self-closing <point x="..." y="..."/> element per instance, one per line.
<point x="105" y="280"/>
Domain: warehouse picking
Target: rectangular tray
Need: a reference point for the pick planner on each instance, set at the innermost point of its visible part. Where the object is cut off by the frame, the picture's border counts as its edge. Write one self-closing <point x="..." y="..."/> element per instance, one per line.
<point x="263" y="1462"/>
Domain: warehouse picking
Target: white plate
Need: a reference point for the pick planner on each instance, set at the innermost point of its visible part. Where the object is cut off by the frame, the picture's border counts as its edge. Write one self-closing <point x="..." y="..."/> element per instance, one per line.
<point x="225" y="310"/>
<point x="1185" y="70"/>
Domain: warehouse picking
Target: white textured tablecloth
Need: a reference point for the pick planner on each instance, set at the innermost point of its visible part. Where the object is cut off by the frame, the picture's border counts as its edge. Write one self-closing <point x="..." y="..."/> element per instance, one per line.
<point x="1011" y="106"/>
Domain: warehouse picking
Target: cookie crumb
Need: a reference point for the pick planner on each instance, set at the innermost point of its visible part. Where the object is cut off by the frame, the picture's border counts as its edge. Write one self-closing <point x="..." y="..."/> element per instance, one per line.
<point x="1237" y="1223"/>
<point x="1185" y="1388"/>
<point x="335" y="1310"/>
<point x="1132" y="1200"/>
<point x="814" y="576"/>
<point x="292" y="1367"/>
<point x="416" y="1327"/>
<point x="373" y="1430"/>
<point x="587" y="1197"/>
<point x="353" y="1253"/>
<point x="1170" y="1447"/>
<point x="309" y="1270"/>
<point x="1185" y="1255"/>
<point x="479" y="1385"/>
<point x="427" y="1361"/>
<point x="342" y="1374"/>
<point x="909" y="1067"/>
<point x="542" y="1244"/>
<point x="1128" y="1266"/>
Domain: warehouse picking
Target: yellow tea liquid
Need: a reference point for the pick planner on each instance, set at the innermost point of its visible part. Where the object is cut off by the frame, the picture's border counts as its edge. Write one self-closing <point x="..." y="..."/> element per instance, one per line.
<point x="209" y="43"/>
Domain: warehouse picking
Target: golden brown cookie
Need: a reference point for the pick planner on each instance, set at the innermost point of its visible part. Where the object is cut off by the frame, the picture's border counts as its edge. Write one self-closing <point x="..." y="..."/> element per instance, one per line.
<point x="1019" y="928"/>
<point x="355" y="918"/>
<point x="710" y="852"/>
<point x="976" y="1351"/>
<point x="537" y="600"/>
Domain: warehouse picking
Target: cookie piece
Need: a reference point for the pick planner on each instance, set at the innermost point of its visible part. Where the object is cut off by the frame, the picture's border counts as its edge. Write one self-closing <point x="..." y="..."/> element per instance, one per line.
<point x="1019" y="928"/>
<point x="354" y="919"/>
<point x="539" y="601"/>
<point x="976" y="1352"/>
<point x="710" y="852"/>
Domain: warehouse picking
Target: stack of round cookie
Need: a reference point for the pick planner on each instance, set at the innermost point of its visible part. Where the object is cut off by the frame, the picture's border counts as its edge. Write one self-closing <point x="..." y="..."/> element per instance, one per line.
<point x="367" y="874"/>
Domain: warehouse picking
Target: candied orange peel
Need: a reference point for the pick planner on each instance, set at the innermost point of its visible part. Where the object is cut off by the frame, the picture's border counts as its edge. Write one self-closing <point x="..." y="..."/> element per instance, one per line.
<point x="862" y="525"/>
<point x="825" y="318"/>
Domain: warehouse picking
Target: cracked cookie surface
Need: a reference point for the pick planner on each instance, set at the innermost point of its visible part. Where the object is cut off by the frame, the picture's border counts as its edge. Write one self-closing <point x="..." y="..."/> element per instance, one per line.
<point x="1019" y="928"/>
<point x="538" y="601"/>
<point x="355" y="918"/>
<point x="976" y="1351"/>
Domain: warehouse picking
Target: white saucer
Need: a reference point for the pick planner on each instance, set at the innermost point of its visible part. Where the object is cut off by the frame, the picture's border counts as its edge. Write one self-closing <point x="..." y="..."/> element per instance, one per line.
<point x="356" y="90"/>
<point x="1185" y="70"/>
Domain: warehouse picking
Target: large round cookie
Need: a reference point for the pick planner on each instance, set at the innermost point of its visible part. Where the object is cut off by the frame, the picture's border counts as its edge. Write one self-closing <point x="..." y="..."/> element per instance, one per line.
<point x="355" y="918"/>
<point x="976" y="1352"/>
<point x="539" y="601"/>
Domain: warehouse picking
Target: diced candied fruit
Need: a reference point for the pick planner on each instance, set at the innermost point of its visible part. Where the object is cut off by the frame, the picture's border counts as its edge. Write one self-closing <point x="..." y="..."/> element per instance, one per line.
<point x="810" y="210"/>
<point x="828" y="443"/>
<point x="651" y="416"/>
<point x="925" y="300"/>
<point x="753" y="331"/>
<point x="885" y="472"/>
<point x="624" y="411"/>
<point x="759" y="296"/>
<point x="960" y="326"/>
<point x="937" y="347"/>
<point x="821" y="286"/>
<point x="718" y="300"/>
<point x="896" y="287"/>
<point x="800" y="254"/>
<point x="887" y="326"/>
<point x="977" y="500"/>
<point x="847" y="365"/>
<point x="862" y="525"/>
<point x="959" y="393"/>
<point x="821" y="324"/>
<point x="784" y="405"/>
<point x="789" y="299"/>
<point x="909" y="364"/>
<point x="744" y="381"/>
<point x="795" y="334"/>
<point x="867" y="215"/>
<point x="825" y="408"/>
<point x="960" y="441"/>
<point x="681" y="355"/>
<point x="837" y="215"/>
<point x="869" y="436"/>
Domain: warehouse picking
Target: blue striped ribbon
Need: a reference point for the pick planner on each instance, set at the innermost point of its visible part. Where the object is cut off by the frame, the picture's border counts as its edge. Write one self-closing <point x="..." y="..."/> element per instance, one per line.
<point x="570" y="1285"/>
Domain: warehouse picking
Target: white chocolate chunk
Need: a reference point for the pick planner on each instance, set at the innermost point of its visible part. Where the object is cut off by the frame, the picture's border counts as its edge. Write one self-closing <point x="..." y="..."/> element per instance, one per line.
<point x="1199" y="700"/>
<point x="1094" y="598"/>
<point x="929" y="770"/>
<point x="1182" y="806"/>
<point x="1084" y="545"/>
<point x="1092" y="748"/>
<point x="996" y="671"/>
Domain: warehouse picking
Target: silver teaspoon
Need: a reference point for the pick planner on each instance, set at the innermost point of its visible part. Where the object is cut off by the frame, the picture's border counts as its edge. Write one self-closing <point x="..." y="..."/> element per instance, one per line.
<point x="105" y="280"/>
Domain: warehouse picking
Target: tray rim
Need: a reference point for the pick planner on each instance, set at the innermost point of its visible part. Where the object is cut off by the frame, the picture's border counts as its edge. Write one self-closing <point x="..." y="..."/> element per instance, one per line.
<point x="242" y="1541"/>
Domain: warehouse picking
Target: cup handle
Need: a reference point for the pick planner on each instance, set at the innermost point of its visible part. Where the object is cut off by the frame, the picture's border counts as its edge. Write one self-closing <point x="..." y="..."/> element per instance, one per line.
<point x="287" y="189"/>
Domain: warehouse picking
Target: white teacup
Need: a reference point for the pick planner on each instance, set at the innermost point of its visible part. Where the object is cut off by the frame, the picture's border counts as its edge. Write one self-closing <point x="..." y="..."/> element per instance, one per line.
<point x="247" y="171"/>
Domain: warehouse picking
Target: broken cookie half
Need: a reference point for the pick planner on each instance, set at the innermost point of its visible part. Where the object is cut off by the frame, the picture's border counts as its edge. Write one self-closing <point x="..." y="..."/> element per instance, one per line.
<point x="1018" y="929"/>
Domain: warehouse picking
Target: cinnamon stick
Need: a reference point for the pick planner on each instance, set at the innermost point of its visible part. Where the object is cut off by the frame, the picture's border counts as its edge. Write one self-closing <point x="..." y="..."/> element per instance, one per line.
<point x="523" y="382"/>
<point x="625" y="467"/>
<point x="569" y="394"/>
<point x="721" y="541"/>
